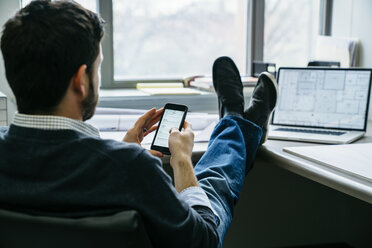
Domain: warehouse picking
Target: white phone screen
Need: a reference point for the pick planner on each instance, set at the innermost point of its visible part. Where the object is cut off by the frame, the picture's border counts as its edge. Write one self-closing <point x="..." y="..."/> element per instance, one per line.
<point x="171" y="118"/>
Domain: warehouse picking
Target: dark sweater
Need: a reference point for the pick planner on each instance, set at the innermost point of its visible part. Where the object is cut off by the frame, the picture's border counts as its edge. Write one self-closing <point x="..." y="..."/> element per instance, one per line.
<point x="66" y="173"/>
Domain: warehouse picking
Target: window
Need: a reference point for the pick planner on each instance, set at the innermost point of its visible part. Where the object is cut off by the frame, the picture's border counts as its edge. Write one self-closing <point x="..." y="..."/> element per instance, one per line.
<point x="160" y="39"/>
<point x="291" y="27"/>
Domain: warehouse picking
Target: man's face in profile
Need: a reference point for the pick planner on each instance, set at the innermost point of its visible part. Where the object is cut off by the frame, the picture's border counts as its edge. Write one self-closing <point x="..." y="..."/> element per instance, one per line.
<point x="90" y="103"/>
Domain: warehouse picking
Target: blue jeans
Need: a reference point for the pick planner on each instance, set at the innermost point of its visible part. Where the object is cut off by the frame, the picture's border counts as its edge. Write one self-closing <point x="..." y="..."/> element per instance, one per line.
<point x="223" y="167"/>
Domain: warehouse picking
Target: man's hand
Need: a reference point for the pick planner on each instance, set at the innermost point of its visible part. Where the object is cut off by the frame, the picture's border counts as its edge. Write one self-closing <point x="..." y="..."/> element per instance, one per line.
<point x="181" y="143"/>
<point x="143" y="126"/>
<point x="180" y="147"/>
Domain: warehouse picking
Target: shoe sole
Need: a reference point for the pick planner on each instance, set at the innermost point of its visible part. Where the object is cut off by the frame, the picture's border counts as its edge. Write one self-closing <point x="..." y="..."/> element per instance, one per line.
<point x="275" y="83"/>
<point x="231" y="63"/>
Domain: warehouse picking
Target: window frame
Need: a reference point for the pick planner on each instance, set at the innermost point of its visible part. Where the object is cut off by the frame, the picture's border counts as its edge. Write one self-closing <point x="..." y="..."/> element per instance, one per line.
<point x="107" y="68"/>
<point x="326" y="14"/>
<point x="254" y="40"/>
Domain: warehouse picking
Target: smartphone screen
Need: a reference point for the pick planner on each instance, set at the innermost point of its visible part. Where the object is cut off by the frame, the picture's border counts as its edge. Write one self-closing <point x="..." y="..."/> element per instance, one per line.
<point x="173" y="116"/>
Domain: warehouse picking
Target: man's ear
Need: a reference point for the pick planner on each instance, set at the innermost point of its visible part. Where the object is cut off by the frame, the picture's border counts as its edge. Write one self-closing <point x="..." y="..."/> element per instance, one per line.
<point x="80" y="81"/>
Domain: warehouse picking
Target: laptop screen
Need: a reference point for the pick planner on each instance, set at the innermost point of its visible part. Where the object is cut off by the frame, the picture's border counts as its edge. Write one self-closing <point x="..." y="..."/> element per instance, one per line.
<point x="323" y="97"/>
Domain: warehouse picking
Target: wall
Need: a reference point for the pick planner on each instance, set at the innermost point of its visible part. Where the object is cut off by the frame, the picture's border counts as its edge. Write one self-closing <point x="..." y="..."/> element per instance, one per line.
<point x="352" y="18"/>
<point x="7" y="9"/>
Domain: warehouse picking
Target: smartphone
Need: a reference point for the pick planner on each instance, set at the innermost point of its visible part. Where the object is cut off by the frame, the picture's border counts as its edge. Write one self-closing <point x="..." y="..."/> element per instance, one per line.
<point x="173" y="116"/>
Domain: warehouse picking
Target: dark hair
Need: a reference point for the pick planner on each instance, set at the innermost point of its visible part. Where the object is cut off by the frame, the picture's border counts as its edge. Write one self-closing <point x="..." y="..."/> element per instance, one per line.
<point x="43" y="46"/>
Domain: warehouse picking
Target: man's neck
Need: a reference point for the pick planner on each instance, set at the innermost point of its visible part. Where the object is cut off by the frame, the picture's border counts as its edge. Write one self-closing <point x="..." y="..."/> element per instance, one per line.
<point x="69" y="114"/>
<point x="59" y="112"/>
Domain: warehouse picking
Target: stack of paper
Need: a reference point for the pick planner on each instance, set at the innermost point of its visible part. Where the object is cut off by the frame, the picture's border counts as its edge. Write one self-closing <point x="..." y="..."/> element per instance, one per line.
<point x="166" y="89"/>
<point x="206" y="83"/>
<point x="113" y="123"/>
<point x="123" y="119"/>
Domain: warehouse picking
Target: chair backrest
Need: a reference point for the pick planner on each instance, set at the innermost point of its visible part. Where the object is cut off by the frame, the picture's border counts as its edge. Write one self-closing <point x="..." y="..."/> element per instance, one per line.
<point x="123" y="229"/>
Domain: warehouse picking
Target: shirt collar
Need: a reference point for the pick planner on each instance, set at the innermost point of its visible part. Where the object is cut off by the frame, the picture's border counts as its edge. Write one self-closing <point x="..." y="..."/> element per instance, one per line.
<point x="52" y="122"/>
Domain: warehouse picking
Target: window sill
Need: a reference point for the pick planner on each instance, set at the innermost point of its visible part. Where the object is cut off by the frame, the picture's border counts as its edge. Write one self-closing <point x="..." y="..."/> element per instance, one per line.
<point x="135" y="99"/>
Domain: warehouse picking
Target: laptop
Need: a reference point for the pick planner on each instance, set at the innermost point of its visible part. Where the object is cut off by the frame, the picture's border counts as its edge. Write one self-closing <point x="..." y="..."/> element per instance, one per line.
<point x="321" y="105"/>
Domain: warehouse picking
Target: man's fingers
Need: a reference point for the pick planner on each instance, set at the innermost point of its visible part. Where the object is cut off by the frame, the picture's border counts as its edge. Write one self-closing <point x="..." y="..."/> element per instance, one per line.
<point x="158" y="113"/>
<point x="187" y="127"/>
<point x="155" y="118"/>
<point x="142" y="120"/>
<point x="151" y="120"/>
<point x="156" y="153"/>
<point x="173" y="130"/>
<point x="152" y="129"/>
<point x="181" y="143"/>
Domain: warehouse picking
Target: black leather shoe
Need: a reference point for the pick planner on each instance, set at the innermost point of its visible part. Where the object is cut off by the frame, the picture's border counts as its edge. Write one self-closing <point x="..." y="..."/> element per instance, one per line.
<point x="263" y="102"/>
<point x="228" y="86"/>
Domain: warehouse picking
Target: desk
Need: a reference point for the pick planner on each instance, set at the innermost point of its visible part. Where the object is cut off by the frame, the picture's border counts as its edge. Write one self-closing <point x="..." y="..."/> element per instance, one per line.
<point x="272" y="151"/>
<point x="289" y="201"/>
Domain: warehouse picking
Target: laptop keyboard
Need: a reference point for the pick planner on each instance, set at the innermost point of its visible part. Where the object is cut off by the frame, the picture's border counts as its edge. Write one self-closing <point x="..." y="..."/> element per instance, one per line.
<point x="298" y="130"/>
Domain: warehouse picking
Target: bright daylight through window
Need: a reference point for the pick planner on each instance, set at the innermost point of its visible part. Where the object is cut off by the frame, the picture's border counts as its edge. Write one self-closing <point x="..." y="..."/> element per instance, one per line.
<point x="162" y="39"/>
<point x="173" y="39"/>
<point x="291" y="27"/>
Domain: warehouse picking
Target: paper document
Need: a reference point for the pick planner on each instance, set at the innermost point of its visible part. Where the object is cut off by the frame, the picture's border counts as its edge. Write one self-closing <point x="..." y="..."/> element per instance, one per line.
<point x="206" y="83"/>
<point x="353" y="159"/>
<point x="166" y="89"/>
<point x="205" y="134"/>
<point x="113" y="123"/>
<point x="200" y="136"/>
<point x="158" y="85"/>
<point x="114" y="120"/>
<point x="171" y="91"/>
<point x="119" y="111"/>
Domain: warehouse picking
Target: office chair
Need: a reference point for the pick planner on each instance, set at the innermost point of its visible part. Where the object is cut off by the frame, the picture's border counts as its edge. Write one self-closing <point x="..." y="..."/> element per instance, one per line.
<point x="123" y="229"/>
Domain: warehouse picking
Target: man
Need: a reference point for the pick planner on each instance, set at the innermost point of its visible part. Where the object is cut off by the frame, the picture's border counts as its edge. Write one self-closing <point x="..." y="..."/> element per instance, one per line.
<point x="52" y="163"/>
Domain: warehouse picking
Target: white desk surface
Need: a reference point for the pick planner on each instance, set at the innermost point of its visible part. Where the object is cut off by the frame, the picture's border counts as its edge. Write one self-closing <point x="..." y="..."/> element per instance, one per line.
<point x="272" y="151"/>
